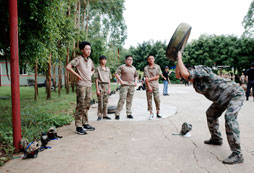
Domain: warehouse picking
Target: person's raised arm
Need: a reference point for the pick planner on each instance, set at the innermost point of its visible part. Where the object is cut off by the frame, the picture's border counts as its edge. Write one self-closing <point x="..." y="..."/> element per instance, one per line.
<point x="181" y="70"/>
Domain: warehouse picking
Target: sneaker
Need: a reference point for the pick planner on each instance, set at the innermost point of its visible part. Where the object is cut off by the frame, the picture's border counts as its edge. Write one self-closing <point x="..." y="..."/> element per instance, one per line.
<point x="247" y="98"/>
<point x="151" y="116"/>
<point x="130" y="116"/>
<point x="212" y="141"/>
<point x="99" y="119"/>
<point x="88" y="127"/>
<point x="107" y="118"/>
<point x="80" y="130"/>
<point x="233" y="158"/>
<point x="159" y="116"/>
<point x="117" y="117"/>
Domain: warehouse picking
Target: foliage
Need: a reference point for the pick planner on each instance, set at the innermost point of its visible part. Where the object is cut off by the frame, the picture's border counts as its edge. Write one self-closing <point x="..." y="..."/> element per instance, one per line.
<point x="106" y="19"/>
<point x="213" y="51"/>
<point x="106" y="29"/>
<point x="157" y="49"/>
<point x="45" y="26"/>
<point x="248" y="22"/>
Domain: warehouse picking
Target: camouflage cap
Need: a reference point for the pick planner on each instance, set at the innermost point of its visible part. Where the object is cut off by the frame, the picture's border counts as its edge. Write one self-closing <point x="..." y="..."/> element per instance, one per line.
<point x="186" y="128"/>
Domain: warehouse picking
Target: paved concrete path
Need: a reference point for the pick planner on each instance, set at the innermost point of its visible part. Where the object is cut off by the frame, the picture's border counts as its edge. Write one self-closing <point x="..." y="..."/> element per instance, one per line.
<point x="142" y="145"/>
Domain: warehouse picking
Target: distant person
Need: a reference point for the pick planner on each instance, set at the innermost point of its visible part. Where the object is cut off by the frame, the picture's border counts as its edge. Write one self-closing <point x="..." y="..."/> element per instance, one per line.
<point x="225" y="95"/>
<point x="232" y="76"/>
<point x="165" y="76"/>
<point x="127" y="76"/>
<point x="243" y="82"/>
<point x="142" y="86"/>
<point x="102" y="76"/>
<point x="250" y="81"/>
<point x="152" y="74"/>
<point x="242" y="79"/>
<point x="85" y="69"/>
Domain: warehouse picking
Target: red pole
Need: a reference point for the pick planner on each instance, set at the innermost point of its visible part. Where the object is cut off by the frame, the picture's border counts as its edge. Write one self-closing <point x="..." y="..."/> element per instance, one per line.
<point x="0" y="75"/>
<point x="16" y="123"/>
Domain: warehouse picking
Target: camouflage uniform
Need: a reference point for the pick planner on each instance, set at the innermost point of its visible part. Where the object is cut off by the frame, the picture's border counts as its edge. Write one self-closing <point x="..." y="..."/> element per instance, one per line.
<point x="83" y="104"/>
<point x="126" y="93"/>
<point x="226" y="95"/>
<point x="152" y="72"/>
<point x="128" y="75"/>
<point x="104" y="77"/>
<point x="84" y="67"/>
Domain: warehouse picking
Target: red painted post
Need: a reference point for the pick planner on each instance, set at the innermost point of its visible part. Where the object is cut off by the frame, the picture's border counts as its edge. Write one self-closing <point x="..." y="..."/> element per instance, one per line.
<point x="0" y="75"/>
<point x="16" y="123"/>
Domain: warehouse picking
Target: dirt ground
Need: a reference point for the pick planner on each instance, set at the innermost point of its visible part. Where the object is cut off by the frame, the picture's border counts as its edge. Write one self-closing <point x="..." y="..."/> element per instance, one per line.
<point x="141" y="145"/>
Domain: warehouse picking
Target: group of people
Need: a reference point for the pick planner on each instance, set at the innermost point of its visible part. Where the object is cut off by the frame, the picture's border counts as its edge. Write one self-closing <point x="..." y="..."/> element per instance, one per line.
<point x="127" y="76"/>
<point x="224" y="93"/>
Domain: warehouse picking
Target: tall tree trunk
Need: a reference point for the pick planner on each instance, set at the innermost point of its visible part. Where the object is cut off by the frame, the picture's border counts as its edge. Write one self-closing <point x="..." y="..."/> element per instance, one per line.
<point x="0" y="76"/>
<point x="7" y="69"/>
<point x="48" y="83"/>
<point x="54" y="77"/>
<point x="66" y="76"/>
<point x="78" y="15"/>
<point x="67" y="85"/>
<point x="118" y="55"/>
<point x="36" y="80"/>
<point x="59" y="79"/>
<point x="87" y="18"/>
<point x="71" y="75"/>
<point x="84" y="14"/>
<point x="77" y="18"/>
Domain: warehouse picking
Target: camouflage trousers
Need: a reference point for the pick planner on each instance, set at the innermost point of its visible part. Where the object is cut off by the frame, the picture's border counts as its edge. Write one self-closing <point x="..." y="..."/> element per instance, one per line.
<point x="126" y="93"/>
<point x="156" y="96"/>
<point x="83" y="104"/>
<point x="232" y="127"/>
<point x="102" y="100"/>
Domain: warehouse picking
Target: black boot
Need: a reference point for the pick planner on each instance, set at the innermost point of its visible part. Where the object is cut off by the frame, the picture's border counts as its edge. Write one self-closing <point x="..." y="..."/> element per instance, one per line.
<point x="212" y="141"/>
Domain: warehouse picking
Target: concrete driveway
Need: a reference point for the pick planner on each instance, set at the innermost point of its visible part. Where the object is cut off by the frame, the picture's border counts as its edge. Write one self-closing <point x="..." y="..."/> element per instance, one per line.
<point x="141" y="145"/>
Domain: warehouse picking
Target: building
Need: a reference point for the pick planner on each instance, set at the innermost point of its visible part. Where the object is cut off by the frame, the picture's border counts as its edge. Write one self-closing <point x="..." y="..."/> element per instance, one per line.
<point x="25" y="77"/>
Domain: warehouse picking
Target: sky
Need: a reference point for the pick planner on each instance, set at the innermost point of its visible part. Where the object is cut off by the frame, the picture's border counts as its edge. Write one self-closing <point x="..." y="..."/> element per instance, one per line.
<point x="157" y="19"/>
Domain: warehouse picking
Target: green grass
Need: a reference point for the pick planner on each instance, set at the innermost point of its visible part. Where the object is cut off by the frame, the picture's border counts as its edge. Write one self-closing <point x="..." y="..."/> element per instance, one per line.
<point x="36" y="116"/>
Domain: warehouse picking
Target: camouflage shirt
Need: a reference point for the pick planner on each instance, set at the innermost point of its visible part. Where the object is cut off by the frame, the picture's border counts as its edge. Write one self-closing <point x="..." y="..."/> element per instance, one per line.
<point x="217" y="89"/>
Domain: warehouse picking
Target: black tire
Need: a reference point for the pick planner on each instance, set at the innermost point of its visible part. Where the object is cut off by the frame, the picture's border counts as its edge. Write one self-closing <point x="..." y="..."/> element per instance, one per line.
<point x="178" y="41"/>
<point x="111" y="109"/>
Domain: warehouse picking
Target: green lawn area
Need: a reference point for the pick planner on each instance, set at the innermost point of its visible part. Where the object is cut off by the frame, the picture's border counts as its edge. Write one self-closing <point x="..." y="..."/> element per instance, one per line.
<point x="36" y="116"/>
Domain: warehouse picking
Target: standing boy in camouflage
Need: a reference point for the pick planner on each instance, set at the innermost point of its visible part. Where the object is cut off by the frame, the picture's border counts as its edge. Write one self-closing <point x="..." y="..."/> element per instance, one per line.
<point x="85" y="69"/>
<point x="127" y="76"/>
<point x="102" y="76"/>
<point x="152" y="74"/>
<point x="226" y="95"/>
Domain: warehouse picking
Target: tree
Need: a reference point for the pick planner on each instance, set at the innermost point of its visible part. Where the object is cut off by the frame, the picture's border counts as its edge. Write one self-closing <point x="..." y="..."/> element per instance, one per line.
<point x="212" y="50"/>
<point x="158" y="49"/>
<point x="248" y="22"/>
